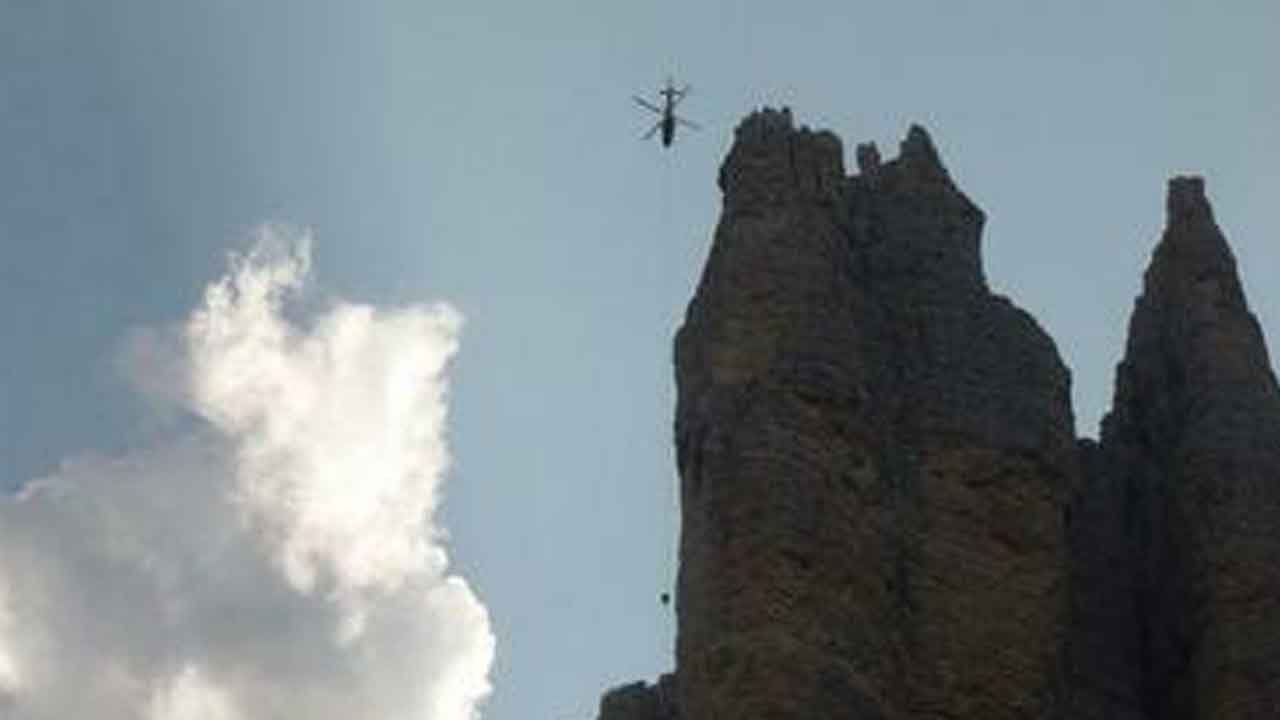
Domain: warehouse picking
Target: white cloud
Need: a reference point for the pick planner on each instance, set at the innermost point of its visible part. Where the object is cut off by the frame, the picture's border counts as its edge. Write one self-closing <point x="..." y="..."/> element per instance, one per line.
<point x="280" y="560"/>
<point x="8" y="668"/>
<point x="190" y="697"/>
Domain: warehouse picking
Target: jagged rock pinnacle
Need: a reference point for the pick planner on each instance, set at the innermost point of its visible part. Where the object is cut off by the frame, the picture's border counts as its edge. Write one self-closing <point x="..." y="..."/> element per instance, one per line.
<point x="1186" y="199"/>
<point x="764" y="123"/>
<point x="846" y="380"/>
<point x="1192" y="445"/>
<point x="885" y="512"/>
<point x="772" y="162"/>
<point x="919" y="155"/>
<point x="1192" y="319"/>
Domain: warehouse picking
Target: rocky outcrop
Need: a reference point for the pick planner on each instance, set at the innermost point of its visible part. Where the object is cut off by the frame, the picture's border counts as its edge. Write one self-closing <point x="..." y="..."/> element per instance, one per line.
<point x="874" y="449"/>
<point x="641" y="701"/>
<point x="1193" y="441"/>
<point x="885" y="511"/>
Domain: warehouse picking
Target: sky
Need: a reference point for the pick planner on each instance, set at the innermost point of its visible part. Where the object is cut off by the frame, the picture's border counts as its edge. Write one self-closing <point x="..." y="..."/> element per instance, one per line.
<point x="337" y="335"/>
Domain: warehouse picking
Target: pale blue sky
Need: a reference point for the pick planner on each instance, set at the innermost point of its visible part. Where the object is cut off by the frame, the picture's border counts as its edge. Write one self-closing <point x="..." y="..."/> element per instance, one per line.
<point x="488" y="154"/>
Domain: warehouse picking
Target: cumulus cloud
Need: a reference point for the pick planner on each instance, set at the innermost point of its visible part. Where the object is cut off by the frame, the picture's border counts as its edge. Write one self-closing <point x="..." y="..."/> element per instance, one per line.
<point x="280" y="559"/>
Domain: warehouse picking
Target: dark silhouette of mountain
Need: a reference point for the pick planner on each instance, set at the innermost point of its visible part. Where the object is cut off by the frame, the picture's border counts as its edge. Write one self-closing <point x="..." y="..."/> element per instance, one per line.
<point x="886" y="513"/>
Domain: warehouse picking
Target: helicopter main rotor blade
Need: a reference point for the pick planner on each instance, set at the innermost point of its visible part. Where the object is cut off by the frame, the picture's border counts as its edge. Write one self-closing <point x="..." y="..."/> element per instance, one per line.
<point x="680" y="94"/>
<point x="652" y="130"/>
<point x="646" y="104"/>
<point x="688" y="123"/>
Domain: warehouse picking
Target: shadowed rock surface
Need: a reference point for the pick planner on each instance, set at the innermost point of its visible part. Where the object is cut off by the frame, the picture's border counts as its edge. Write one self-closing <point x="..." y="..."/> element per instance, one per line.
<point x="641" y="701"/>
<point x="885" y="511"/>
<point x="1194" y="441"/>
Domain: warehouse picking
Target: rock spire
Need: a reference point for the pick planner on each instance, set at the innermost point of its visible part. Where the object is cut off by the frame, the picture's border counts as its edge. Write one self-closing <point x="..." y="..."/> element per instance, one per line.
<point x="885" y="511"/>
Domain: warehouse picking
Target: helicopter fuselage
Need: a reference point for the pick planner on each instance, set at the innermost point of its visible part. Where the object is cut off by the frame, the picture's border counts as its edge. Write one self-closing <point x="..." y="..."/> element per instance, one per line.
<point x="665" y="109"/>
<point x="669" y="98"/>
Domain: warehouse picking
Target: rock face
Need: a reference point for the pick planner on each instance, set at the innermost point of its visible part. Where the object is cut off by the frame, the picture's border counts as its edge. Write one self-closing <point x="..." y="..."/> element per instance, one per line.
<point x="641" y="701"/>
<point x="1192" y="453"/>
<point x="885" y="511"/>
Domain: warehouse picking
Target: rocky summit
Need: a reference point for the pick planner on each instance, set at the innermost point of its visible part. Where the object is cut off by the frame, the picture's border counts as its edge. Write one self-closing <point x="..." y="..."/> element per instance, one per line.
<point x="885" y="511"/>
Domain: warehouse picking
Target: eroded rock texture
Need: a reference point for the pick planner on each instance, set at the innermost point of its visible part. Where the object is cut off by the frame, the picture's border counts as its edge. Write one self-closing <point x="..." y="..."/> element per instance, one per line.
<point x="885" y="511"/>
<point x="874" y="450"/>
<point x="1194" y="440"/>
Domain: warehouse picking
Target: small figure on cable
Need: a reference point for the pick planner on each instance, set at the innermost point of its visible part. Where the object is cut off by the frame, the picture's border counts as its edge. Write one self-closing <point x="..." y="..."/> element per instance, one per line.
<point x="668" y="120"/>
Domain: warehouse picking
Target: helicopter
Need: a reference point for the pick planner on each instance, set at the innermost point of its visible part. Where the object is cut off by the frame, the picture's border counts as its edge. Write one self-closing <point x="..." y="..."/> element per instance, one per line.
<point x="668" y="120"/>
